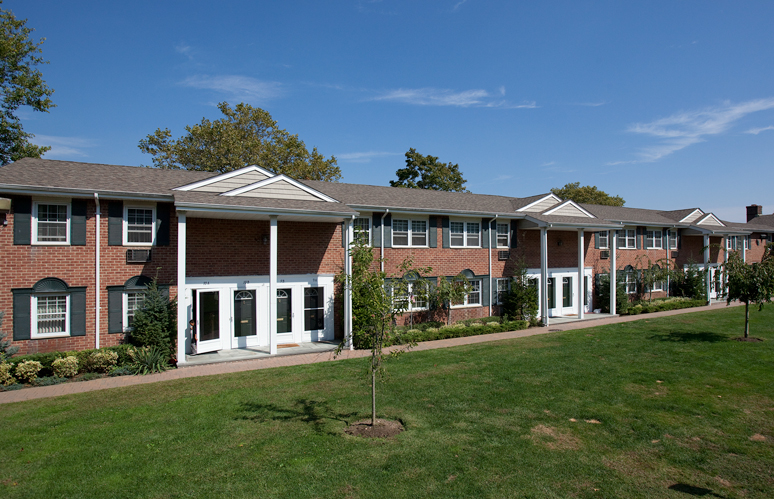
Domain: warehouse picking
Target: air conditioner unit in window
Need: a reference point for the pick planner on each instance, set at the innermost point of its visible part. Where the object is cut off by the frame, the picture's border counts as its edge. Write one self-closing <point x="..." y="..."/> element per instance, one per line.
<point x="503" y="255"/>
<point x="675" y="254"/>
<point x="604" y="254"/>
<point x="138" y="256"/>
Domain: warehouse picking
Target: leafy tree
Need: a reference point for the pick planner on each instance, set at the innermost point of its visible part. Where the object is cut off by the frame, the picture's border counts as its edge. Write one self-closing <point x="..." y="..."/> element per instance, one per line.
<point x="521" y="300"/>
<point x="587" y="194"/>
<point x="451" y="291"/>
<point x="688" y="283"/>
<point x="621" y="298"/>
<point x="6" y="350"/>
<point x="426" y="172"/>
<point x="245" y="136"/>
<point x="22" y="85"/>
<point x="155" y="324"/>
<point x="749" y="283"/>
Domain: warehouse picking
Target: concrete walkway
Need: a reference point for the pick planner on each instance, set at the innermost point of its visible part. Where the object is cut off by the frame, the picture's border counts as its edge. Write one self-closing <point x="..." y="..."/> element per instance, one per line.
<point x="324" y="356"/>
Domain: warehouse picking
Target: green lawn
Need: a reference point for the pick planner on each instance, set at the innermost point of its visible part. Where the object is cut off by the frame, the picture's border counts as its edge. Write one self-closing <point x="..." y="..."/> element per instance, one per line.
<point x="677" y="403"/>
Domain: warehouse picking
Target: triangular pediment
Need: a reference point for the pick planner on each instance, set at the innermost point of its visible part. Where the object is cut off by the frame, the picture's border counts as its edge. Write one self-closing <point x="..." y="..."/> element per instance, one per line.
<point x="569" y="209"/>
<point x="541" y="204"/>
<point x="694" y="215"/>
<point x="280" y="187"/>
<point x="229" y="181"/>
<point x="711" y="219"/>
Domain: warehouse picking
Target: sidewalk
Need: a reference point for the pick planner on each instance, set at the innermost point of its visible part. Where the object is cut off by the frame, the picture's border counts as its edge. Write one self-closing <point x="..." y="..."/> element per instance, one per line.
<point x="312" y="358"/>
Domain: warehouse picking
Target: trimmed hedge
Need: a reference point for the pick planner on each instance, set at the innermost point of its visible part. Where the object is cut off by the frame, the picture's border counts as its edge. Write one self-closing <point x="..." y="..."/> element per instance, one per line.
<point x="661" y="306"/>
<point x="471" y="327"/>
<point x="83" y="356"/>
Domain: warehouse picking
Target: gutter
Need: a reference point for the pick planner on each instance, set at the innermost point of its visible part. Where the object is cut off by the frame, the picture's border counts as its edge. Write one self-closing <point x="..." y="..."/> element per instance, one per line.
<point x="44" y="191"/>
<point x="201" y="207"/>
<point x="489" y="245"/>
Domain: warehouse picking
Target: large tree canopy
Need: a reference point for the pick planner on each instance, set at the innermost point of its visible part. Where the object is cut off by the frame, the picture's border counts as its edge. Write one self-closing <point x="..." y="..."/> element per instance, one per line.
<point x="749" y="283"/>
<point x="21" y="84"/>
<point x="426" y="172"/>
<point x="587" y="194"/>
<point x="245" y="136"/>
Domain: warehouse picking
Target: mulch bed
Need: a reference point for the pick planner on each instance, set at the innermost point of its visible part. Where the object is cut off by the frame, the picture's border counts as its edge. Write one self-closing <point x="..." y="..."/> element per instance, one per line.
<point x="382" y="429"/>
<point x="750" y="338"/>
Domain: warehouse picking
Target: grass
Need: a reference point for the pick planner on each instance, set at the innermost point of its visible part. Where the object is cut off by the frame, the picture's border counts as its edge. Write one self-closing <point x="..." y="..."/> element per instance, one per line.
<point x="676" y="409"/>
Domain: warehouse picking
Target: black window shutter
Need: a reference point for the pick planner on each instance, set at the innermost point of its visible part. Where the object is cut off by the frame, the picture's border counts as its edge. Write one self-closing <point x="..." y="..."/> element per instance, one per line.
<point x="78" y="311"/>
<point x="487" y="281"/>
<point x="493" y="234"/>
<point x="116" y="223"/>
<point x="679" y="238"/>
<point x="485" y="233"/>
<point x="376" y="230"/>
<point x="78" y="222"/>
<point x="21" y="313"/>
<point x="22" y="220"/>
<point x="115" y="309"/>
<point x="637" y="238"/>
<point x="446" y="239"/>
<point x="388" y="231"/>
<point x="596" y="240"/>
<point x="433" y="231"/>
<point x="514" y="239"/>
<point x="163" y="211"/>
<point x="344" y="234"/>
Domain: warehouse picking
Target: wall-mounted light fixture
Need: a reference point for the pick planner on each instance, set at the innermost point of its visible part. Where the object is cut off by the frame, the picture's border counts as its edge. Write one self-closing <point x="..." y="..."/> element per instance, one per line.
<point x="265" y="239"/>
<point x="559" y="242"/>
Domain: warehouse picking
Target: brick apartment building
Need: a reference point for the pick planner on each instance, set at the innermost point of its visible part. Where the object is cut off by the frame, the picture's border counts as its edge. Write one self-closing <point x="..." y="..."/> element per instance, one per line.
<point x="251" y="256"/>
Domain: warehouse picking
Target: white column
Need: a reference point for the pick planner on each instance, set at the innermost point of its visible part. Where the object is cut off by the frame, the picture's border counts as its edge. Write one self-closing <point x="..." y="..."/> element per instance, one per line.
<point x="273" y="284"/>
<point x="348" y="231"/>
<point x="97" y="272"/>
<point x="544" y="274"/>
<point x="725" y="261"/>
<point x="707" y="282"/>
<point x="581" y="276"/>
<point x="744" y="248"/>
<point x="182" y="294"/>
<point x="612" y="237"/>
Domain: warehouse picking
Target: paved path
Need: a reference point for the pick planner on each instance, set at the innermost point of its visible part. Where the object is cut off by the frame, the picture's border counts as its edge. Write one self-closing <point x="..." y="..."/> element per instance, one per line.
<point x="312" y="358"/>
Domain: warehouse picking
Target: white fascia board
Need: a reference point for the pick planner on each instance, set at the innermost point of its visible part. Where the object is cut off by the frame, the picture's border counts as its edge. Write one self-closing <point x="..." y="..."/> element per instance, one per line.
<point x="691" y="214"/>
<point x="710" y="215"/>
<point x="436" y="211"/>
<point x="203" y="207"/>
<point x="570" y="203"/>
<point x="277" y="178"/>
<point x="533" y="203"/>
<point x="78" y="193"/>
<point x="224" y="176"/>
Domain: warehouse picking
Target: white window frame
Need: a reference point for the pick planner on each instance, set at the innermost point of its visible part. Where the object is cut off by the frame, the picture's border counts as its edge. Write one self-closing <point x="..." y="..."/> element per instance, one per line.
<point x="410" y="221"/>
<point x="410" y="290"/>
<point x="654" y="234"/>
<point x="465" y="233"/>
<point x="746" y="242"/>
<point x="507" y="235"/>
<point x="669" y="239"/>
<point x="357" y="230"/>
<point x="624" y="237"/>
<point x="34" y="316"/>
<point x="630" y="282"/>
<point x="466" y="300"/>
<point x="125" y="230"/>
<point x="604" y="234"/>
<point x="126" y="307"/>
<point x="498" y="282"/>
<point x="57" y="202"/>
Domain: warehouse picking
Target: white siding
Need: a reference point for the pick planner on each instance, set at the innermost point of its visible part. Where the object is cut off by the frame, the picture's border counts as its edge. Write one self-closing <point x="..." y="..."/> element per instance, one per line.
<point x="693" y="216"/>
<point x="710" y="221"/>
<point x="280" y="190"/>
<point x="232" y="183"/>
<point x="542" y="205"/>
<point x="569" y="211"/>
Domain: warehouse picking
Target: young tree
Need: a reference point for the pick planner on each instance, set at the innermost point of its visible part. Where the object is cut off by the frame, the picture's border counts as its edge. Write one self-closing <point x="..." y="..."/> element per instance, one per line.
<point x="245" y="136"/>
<point x="426" y="172"/>
<point x="22" y="85"/>
<point x="749" y="283"/>
<point x="521" y="300"/>
<point x="451" y="291"/>
<point x="587" y="194"/>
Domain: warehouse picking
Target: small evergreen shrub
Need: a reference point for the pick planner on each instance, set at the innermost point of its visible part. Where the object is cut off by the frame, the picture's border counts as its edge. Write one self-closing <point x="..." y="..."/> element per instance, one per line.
<point x="155" y="324"/>
<point x="622" y="303"/>
<point x="89" y="376"/>
<point x="65" y="367"/>
<point x="28" y="370"/>
<point x="8" y="388"/>
<point x="48" y="381"/>
<point x="6" y="378"/>
<point x="120" y="371"/>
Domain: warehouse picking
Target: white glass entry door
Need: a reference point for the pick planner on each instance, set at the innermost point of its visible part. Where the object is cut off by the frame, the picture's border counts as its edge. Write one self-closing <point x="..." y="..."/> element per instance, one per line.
<point x="207" y="317"/>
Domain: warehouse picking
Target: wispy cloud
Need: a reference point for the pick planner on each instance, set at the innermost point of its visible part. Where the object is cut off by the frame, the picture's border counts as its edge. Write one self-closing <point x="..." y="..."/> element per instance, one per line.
<point x="182" y="48"/>
<point x="552" y="166"/>
<point x="63" y="146"/>
<point x="686" y="128"/>
<point x="590" y="104"/>
<point x="446" y="97"/>
<point x="756" y="131"/>
<point x="243" y="88"/>
<point x="364" y="157"/>
<point x="458" y="5"/>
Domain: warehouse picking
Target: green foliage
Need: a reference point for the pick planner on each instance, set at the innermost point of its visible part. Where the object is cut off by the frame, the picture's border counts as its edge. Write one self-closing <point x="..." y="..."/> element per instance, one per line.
<point x="661" y="305"/>
<point x="603" y="293"/>
<point x="155" y="324"/>
<point x="89" y="376"/>
<point x="587" y="194"/>
<point x="6" y="350"/>
<point x="451" y="291"/>
<point x="48" y="381"/>
<point x="149" y="360"/>
<point x="245" y="136"/>
<point x="27" y="370"/>
<point x="65" y="367"/>
<point x="98" y="361"/>
<point x="688" y="283"/>
<point x="120" y="371"/>
<point x="426" y="172"/>
<point x="749" y="283"/>
<point x="22" y="85"/>
<point x="521" y="300"/>
<point x="469" y="327"/>
<point x="6" y="374"/>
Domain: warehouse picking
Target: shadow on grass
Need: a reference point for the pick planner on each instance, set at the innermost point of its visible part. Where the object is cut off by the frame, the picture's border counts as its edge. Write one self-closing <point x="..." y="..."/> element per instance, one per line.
<point x="692" y="490"/>
<point x="689" y="337"/>
<point x="313" y="412"/>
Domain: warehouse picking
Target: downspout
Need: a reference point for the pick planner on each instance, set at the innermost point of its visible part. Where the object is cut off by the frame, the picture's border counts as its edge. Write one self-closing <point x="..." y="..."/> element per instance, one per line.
<point x="489" y="245"/>
<point x="97" y="273"/>
<point x="381" y="239"/>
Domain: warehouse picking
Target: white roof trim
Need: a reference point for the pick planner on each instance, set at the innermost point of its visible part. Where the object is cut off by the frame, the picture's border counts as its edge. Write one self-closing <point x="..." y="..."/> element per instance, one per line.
<point x="571" y="203"/>
<point x="691" y="214"/>
<point x="224" y="176"/>
<point x="533" y="203"/>
<point x="277" y="178"/>
<point x="710" y="215"/>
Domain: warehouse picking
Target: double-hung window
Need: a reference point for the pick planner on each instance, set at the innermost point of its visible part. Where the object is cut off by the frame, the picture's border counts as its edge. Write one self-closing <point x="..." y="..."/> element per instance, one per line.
<point x="362" y="226"/>
<point x="408" y="232"/>
<point x="630" y="280"/>
<point x="503" y="236"/>
<point x="603" y="240"/>
<point x="412" y="297"/>
<point x="502" y="290"/>
<point x="653" y="239"/>
<point x="731" y="243"/>
<point x="627" y="239"/>
<point x="465" y="234"/>
<point x="51" y="223"/>
<point x="133" y="301"/>
<point x="672" y="239"/>
<point x="314" y="309"/>
<point x="50" y="315"/>
<point x="473" y="297"/>
<point x="139" y="225"/>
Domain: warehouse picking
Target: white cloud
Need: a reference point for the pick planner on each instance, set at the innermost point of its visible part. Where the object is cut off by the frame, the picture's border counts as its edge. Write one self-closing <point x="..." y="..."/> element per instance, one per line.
<point x="458" y="5"/>
<point x="591" y="104"/>
<point x="756" y="131"/>
<point x="242" y="88"/>
<point x="63" y="146"/>
<point x="446" y="97"/>
<point x="686" y="128"/>
<point x="364" y="157"/>
<point x="182" y="48"/>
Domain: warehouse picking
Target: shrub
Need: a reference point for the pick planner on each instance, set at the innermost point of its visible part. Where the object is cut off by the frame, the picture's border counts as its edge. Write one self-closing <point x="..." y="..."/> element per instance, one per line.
<point x="155" y="324"/>
<point x="66" y="367"/>
<point x="15" y="386"/>
<point x="120" y="371"/>
<point x="45" y="360"/>
<point x="90" y="376"/>
<point x="48" y="381"/>
<point x="102" y="362"/>
<point x="6" y="378"/>
<point x="621" y="298"/>
<point x="688" y="283"/>
<point x="28" y="370"/>
<point x="148" y="360"/>
<point x="6" y="350"/>
<point x="521" y="300"/>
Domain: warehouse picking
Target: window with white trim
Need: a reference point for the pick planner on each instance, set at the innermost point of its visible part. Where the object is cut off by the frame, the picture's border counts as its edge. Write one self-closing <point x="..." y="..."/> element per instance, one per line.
<point x="464" y="234"/>
<point x="474" y="295"/>
<point x="139" y="225"/>
<point x="412" y="297"/>
<point x="657" y="285"/>
<point x="746" y="242"/>
<point x="133" y="301"/>
<point x="50" y="223"/>
<point x="409" y="232"/>
<point x="630" y="280"/>
<point x="362" y="227"/>
<point x="502" y="290"/>
<point x="603" y="240"/>
<point x="672" y="239"/>
<point x="653" y="239"/>
<point x="627" y="239"/>
<point x="314" y="309"/>
<point x="732" y="243"/>
<point x="50" y="316"/>
<point x="503" y="236"/>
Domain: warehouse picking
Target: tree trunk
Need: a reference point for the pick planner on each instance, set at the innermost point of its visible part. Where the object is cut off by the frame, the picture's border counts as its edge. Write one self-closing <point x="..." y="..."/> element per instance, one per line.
<point x="373" y="397"/>
<point x="746" y="320"/>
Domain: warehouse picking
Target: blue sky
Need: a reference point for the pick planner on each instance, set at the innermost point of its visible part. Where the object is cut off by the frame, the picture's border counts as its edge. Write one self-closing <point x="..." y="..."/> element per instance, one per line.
<point x="667" y="104"/>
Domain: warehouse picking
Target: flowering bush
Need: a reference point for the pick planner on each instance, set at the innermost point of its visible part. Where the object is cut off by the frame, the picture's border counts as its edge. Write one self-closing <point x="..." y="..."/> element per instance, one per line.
<point x="6" y="378"/>
<point x="66" y="367"/>
<point x="28" y="370"/>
